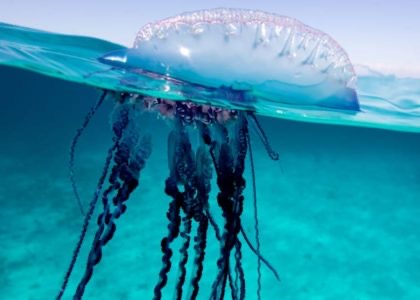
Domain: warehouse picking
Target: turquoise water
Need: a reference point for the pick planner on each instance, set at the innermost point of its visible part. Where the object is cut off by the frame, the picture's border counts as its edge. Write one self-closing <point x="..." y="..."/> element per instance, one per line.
<point x="339" y="214"/>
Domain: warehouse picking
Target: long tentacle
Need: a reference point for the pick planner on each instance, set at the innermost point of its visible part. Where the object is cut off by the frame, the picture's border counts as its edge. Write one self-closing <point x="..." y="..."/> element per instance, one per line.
<point x="174" y="218"/>
<point x="232" y="282"/>
<point x="248" y="242"/>
<point x="130" y="158"/>
<point x="129" y="177"/>
<point x="173" y="214"/>
<point x="239" y="269"/>
<point x="214" y="225"/>
<point x="73" y="145"/>
<point x="96" y="251"/>
<point x="263" y="137"/>
<point x="241" y="146"/>
<point x="256" y="223"/>
<point x="190" y="206"/>
<point x="86" y="221"/>
<point x="185" y="234"/>
<point x="225" y="202"/>
<point x="231" y="184"/>
<point x="202" y="183"/>
<point x="200" y="246"/>
<point x="263" y="260"/>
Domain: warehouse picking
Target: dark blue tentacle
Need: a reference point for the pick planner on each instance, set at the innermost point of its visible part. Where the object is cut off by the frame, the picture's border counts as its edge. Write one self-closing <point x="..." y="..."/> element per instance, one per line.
<point x="185" y="234"/>
<point x="202" y="180"/>
<point x="256" y="223"/>
<point x="263" y="137"/>
<point x="239" y="269"/>
<point x="231" y="183"/>
<point x="174" y="218"/>
<point x="232" y="281"/>
<point x="214" y="225"/>
<point x="224" y="199"/>
<point x="173" y="214"/>
<point x="190" y="205"/>
<point x="268" y="265"/>
<point x="129" y="160"/>
<point x="199" y="247"/>
<point x="208" y="215"/>
<point x="73" y="145"/>
<point x="233" y="284"/>
<point x="86" y="221"/>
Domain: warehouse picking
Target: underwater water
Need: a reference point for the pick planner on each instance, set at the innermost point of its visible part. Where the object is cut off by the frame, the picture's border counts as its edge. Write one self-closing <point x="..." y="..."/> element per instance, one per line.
<point x="339" y="213"/>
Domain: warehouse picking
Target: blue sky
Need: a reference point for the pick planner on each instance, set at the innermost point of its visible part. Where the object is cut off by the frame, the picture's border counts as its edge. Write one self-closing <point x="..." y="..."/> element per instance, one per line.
<point x="382" y="34"/>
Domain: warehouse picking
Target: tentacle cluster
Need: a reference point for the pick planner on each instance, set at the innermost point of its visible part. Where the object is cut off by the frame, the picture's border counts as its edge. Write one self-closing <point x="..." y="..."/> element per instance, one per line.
<point x="229" y="156"/>
<point x="129" y="153"/>
<point x="130" y="157"/>
<point x="193" y="172"/>
<point x="223" y="146"/>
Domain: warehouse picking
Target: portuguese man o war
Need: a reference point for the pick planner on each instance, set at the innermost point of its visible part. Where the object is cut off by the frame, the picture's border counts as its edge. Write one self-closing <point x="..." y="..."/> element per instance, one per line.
<point x="243" y="55"/>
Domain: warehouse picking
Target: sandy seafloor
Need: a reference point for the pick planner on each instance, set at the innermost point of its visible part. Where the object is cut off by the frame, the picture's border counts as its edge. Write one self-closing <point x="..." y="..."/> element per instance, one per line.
<point x="339" y="214"/>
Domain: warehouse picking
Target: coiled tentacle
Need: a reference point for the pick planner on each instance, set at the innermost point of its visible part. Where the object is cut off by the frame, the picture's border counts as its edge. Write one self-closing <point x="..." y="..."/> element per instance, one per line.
<point x="174" y="218"/>
<point x="129" y="159"/>
<point x="239" y="270"/>
<point x="96" y="250"/>
<point x="194" y="172"/>
<point x="190" y="206"/>
<point x="185" y="234"/>
<point x="206" y="161"/>
<point x="224" y="200"/>
<point x="86" y="221"/>
<point x="224" y="142"/>
<point x="202" y="183"/>
<point x="231" y="184"/>
<point x="233" y="284"/>
<point x="173" y="214"/>
<point x="200" y="248"/>
<point x="263" y="137"/>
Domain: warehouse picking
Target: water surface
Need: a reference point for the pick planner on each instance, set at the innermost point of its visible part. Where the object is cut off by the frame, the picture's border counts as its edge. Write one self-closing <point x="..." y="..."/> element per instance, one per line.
<point x="386" y="101"/>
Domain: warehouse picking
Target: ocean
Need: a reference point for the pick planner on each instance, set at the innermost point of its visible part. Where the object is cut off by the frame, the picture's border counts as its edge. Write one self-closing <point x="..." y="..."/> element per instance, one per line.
<point x="338" y="213"/>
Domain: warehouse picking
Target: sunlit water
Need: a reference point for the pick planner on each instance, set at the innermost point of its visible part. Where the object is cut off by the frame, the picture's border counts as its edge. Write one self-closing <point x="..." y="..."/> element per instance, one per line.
<point x="339" y="214"/>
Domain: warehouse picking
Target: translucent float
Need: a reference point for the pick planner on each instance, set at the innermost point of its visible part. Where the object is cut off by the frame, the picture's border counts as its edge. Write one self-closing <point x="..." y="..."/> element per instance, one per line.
<point x="253" y="53"/>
